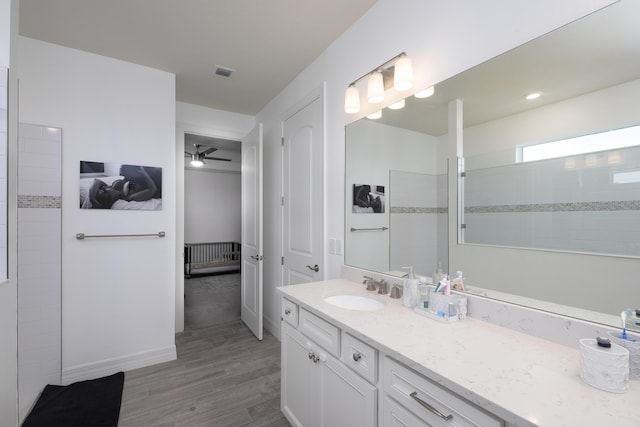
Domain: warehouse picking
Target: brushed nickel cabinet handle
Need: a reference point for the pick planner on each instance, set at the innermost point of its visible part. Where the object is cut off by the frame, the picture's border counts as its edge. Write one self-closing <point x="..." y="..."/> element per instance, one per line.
<point x="357" y="357"/>
<point x="430" y="408"/>
<point x="287" y="311"/>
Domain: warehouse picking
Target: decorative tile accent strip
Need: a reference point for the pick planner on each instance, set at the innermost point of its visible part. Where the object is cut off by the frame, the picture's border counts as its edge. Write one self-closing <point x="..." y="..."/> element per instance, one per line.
<point x="39" y="202"/>
<point x="622" y="205"/>
<point x="413" y="210"/>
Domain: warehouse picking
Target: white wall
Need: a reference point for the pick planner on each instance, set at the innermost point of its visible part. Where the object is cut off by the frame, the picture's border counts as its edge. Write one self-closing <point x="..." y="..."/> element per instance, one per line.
<point x="443" y="39"/>
<point x="374" y="150"/>
<point x="118" y="295"/>
<point x="211" y="206"/>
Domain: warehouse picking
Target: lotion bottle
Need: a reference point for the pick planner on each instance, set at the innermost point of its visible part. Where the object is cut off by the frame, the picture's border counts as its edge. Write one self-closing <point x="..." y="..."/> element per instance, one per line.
<point x="410" y="293"/>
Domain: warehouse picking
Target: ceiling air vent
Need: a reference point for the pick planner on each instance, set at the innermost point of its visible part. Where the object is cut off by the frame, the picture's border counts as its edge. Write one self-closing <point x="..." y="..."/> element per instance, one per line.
<point x="224" y="71"/>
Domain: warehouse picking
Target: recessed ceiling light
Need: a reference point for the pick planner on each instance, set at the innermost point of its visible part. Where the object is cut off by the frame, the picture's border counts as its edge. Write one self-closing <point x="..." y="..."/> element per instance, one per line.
<point x="532" y="96"/>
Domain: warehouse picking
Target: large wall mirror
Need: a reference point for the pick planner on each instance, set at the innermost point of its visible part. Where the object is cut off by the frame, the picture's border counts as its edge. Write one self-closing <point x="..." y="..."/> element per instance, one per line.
<point x="548" y="232"/>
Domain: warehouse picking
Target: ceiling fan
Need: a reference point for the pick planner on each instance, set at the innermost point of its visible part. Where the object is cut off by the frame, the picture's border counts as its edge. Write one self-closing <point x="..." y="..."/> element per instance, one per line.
<point x="198" y="158"/>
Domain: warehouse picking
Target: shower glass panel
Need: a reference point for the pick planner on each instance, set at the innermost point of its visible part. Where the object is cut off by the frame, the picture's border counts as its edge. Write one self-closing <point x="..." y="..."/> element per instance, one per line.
<point x="588" y="203"/>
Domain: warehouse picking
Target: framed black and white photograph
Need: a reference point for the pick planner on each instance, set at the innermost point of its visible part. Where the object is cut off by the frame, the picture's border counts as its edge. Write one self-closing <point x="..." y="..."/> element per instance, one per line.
<point x="120" y="186"/>
<point x="368" y="198"/>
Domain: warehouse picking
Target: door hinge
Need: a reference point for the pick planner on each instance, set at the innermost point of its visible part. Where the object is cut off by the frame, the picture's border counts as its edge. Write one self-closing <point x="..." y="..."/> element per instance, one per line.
<point x="463" y="174"/>
<point x="463" y="226"/>
<point x="282" y="200"/>
<point x="281" y="260"/>
<point x="282" y="141"/>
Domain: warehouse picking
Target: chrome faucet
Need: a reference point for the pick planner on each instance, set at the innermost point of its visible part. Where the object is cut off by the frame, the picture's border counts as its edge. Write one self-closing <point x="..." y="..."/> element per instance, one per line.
<point x="371" y="284"/>
<point x="382" y="287"/>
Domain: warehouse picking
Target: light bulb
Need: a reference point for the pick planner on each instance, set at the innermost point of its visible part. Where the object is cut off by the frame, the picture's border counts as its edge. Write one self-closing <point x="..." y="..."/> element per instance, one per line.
<point x="197" y="163"/>
<point x="398" y="105"/>
<point x="403" y="74"/>
<point x="376" y="115"/>
<point x="425" y="93"/>
<point x="375" y="88"/>
<point x="352" y="100"/>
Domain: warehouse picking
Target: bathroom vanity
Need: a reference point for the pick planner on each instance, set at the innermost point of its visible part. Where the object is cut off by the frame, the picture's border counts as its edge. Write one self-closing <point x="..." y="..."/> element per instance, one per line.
<point x="390" y="366"/>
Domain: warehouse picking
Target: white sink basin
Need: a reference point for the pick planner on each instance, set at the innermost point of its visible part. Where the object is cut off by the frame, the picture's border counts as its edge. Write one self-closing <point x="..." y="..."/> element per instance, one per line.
<point x="355" y="302"/>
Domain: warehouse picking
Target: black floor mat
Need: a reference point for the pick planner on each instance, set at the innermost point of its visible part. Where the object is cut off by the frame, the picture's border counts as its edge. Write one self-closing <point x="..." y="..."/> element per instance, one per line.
<point x="84" y="403"/>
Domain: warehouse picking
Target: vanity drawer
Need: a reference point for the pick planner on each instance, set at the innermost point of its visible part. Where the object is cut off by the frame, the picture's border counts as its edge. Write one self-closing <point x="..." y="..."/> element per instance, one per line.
<point x="416" y="392"/>
<point x="360" y="357"/>
<point x="289" y="312"/>
<point x="319" y="330"/>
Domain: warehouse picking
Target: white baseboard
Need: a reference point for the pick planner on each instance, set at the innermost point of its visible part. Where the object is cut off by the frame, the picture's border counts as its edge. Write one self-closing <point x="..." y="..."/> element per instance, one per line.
<point x="272" y="327"/>
<point x="111" y="366"/>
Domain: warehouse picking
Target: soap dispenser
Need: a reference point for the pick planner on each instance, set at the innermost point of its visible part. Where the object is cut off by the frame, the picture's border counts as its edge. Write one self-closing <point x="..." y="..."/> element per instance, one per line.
<point x="410" y="289"/>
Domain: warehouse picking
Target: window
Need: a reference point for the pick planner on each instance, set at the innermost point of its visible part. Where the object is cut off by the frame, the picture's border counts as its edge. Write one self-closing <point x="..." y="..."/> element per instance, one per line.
<point x="618" y="138"/>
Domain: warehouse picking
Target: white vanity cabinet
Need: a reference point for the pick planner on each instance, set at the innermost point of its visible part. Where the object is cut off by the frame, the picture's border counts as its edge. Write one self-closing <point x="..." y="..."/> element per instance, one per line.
<point x="413" y="400"/>
<point x="317" y="389"/>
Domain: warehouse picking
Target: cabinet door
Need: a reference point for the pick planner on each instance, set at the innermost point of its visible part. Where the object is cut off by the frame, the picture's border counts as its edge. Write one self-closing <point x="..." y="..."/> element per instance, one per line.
<point x="346" y="399"/>
<point x="300" y="379"/>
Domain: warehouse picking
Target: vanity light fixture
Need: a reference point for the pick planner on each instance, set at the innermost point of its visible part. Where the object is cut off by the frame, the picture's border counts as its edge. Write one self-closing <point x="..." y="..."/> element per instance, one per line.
<point x="397" y="71"/>
<point x="375" y="87"/>
<point x="398" y="105"/>
<point x="352" y="100"/>
<point x="425" y="93"/>
<point x="375" y="116"/>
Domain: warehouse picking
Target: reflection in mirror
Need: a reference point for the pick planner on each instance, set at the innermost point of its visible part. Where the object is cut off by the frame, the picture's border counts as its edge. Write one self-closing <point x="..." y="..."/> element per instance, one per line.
<point x="584" y="203"/>
<point x="400" y="166"/>
<point x="588" y="74"/>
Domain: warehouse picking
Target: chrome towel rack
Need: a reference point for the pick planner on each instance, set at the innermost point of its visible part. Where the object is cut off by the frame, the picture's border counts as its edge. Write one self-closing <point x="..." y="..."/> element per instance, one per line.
<point x="82" y="236"/>
<point x="370" y="229"/>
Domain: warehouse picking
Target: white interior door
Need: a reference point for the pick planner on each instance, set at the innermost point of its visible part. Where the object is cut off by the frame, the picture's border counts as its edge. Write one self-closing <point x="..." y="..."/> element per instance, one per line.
<point x="303" y="197"/>
<point x="251" y="267"/>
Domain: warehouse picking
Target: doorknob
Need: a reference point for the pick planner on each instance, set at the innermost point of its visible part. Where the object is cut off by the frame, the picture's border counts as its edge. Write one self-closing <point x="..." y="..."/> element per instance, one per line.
<point x="257" y="257"/>
<point x="314" y="268"/>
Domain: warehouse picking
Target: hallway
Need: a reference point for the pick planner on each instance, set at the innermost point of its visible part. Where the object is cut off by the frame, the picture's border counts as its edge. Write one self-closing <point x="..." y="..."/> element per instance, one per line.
<point x="223" y="376"/>
<point x="211" y="299"/>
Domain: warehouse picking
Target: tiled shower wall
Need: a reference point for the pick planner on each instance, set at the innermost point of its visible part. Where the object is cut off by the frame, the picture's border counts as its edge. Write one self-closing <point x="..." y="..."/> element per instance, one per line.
<point x="39" y="261"/>
<point x="417" y="217"/>
<point x="570" y="203"/>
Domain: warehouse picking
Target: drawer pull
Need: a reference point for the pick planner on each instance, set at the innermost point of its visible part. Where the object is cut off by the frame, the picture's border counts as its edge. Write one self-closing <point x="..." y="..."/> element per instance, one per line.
<point x="357" y="357"/>
<point x="287" y="311"/>
<point x="430" y="408"/>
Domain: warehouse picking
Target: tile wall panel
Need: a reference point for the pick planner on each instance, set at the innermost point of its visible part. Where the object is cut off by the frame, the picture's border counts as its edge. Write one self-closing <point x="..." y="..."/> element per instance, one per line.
<point x="39" y="261"/>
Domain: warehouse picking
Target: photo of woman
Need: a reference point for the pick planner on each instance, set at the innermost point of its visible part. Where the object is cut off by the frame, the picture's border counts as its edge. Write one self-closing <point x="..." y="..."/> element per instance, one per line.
<point x="118" y="186"/>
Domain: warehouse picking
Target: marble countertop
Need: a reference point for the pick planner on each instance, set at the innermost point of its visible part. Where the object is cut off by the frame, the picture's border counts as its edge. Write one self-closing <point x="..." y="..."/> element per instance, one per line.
<point x="524" y="379"/>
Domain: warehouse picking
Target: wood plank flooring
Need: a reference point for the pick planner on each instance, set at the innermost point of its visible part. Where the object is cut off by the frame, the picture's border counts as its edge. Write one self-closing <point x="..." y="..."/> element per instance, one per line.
<point x="223" y="377"/>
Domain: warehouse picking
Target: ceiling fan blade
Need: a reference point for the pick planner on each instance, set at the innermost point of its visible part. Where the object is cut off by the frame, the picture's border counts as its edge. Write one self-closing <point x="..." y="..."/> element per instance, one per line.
<point x="209" y="150"/>
<point x="186" y="153"/>
<point x="217" y="158"/>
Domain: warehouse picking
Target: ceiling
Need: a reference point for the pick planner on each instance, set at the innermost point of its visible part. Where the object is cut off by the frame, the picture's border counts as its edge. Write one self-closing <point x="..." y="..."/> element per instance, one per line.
<point x="267" y="43"/>
<point x="595" y="52"/>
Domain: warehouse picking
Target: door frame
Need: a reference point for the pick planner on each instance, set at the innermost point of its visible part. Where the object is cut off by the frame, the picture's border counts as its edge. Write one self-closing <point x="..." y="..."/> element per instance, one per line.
<point x="320" y="93"/>
<point x="181" y="129"/>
